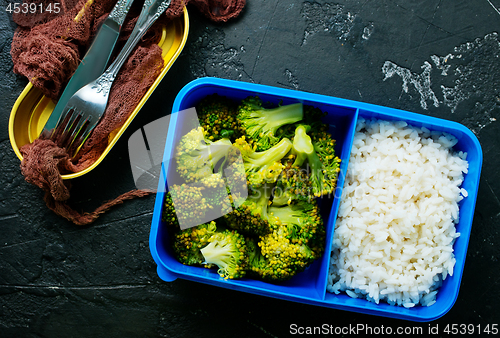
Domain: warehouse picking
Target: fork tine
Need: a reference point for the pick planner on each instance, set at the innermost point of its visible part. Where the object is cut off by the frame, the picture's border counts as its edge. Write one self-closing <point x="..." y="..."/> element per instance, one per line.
<point x="78" y="125"/>
<point x="60" y="132"/>
<point x="69" y="128"/>
<point x="80" y="137"/>
<point x="72" y="128"/>
<point x="55" y="133"/>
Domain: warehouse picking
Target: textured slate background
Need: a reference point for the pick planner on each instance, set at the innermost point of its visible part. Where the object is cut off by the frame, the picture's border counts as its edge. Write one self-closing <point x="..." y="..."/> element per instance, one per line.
<point x="60" y="280"/>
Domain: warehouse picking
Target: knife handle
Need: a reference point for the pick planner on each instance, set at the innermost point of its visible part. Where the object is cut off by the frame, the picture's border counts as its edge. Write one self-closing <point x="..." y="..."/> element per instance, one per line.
<point x="120" y="11"/>
<point x="151" y="11"/>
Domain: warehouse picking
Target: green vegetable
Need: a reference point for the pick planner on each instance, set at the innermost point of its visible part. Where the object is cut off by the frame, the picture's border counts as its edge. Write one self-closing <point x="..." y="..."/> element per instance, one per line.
<point x="283" y="259"/>
<point x="251" y="216"/>
<point x="313" y="118"/>
<point x="184" y="204"/>
<point x="228" y="251"/>
<point x="197" y="157"/>
<point x="323" y="165"/>
<point x="263" y="166"/>
<point x="188" y="243"/>
<point x="296" y="239"/>
<point x="261" y="124"/>
<point x="217" y="116"/>
<point x="293" y="184"/>
<point x="302" y="220"/>
<point x="283" y="157"/>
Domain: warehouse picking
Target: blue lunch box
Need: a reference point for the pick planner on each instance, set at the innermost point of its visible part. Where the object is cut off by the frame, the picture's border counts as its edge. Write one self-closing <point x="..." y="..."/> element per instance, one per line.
<point x="309" y="287"/>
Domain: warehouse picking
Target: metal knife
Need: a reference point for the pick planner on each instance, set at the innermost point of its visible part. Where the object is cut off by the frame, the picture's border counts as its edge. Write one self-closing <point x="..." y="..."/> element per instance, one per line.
<point x="93" y="63"/>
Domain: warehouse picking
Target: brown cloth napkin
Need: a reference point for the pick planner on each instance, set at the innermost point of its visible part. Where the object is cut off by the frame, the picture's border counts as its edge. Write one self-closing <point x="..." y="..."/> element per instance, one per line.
<point x="47" y="48"/>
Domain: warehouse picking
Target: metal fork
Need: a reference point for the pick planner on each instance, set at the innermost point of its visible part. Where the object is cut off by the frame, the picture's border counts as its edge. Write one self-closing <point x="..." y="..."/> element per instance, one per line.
<point x="85" y="108"/>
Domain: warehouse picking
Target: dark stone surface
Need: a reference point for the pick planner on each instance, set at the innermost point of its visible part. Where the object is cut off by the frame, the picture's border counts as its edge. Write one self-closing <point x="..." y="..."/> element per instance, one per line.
<point x="60" y="280"/>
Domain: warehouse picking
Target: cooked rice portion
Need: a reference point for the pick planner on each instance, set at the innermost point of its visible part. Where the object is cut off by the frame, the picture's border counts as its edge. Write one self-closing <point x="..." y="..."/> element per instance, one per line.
<point x="395" y="230"/>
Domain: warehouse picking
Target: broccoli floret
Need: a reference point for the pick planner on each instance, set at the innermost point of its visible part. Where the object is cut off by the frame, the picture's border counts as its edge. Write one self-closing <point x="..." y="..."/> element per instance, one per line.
<point x="322" y="163"/>
<point x="304" y="224"/>
<point x="257" y="263"/>
<point x="251" y="216"/>
<point x="214" y="189"/>
<point x="302" y="220"/>
<point x="169" y="215"/>
<point x="299" y="179"/>
<point x="296" y="240"/>
<point x="293" y="184"/>
<point x="261" y="124"/>
<point x="284" y="259"/>
<point x="197" y="157"/>
<point x="263" y="166"/>
<point x="228" y="251"/>
<point x="234" y="171"/>
<point x="187" y="243"/>
<point x="313" y="117"/>
<point x="217" y="116"/>
<point x="184" y="205"/>
<point x="324" y="146"/>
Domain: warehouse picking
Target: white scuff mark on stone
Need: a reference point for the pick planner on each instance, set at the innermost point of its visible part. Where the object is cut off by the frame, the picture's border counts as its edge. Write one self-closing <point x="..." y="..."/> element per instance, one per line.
<point x="421" y="82"/>
<point x="210" y="57"/>
<point x="291" y="79"/>
<point x="468" y="73"/>
<point x="368" y="31"/>
<point x="331" y="18"/>
<point x="452" y="97"/>
<point x="441" y="63"/>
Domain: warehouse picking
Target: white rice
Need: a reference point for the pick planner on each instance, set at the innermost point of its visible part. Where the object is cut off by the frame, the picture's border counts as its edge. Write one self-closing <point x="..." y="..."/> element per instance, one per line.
<point x="394" y="235"/>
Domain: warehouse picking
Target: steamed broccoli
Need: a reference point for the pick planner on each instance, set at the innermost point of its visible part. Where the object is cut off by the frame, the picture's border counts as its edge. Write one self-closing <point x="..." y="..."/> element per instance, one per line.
<point x="313" y="118"/>
<point x="197" y="157"/>
<point x="294" y="236"/>
<point x="234" y="170"/>
<point x="228" y="251"/>
<point x="188" y="205"/>
<point x="262" y="169"/>
<point x="187" y="243"/>
<point x="283" y="259"/>
<point x="251" y="217"/>
<point x="311" y="169"/>
<point x="304" y="224"/>
<point x="294" y="242"/>
<point x="256" y="261"/>
<point x="261" y="124"/>
<point x="322" y="163"/>
<point x="263" y="166"/>
<point x="302" y="220"/>
<point x="293" y="184"/>
<point x="184" y="204"/>
<point x="324" y="146"/>
<point x="214" y="188"/>
<point x="217" y="116"/>
<point x="297" y="238"/>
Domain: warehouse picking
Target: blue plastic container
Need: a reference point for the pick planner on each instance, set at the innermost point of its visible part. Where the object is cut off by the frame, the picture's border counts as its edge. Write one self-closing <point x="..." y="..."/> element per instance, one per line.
<point x="310" y="286"/>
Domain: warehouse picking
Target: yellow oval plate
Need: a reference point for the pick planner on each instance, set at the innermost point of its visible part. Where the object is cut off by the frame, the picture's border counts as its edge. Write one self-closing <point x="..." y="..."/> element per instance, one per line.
<point x="32" y="109"/>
